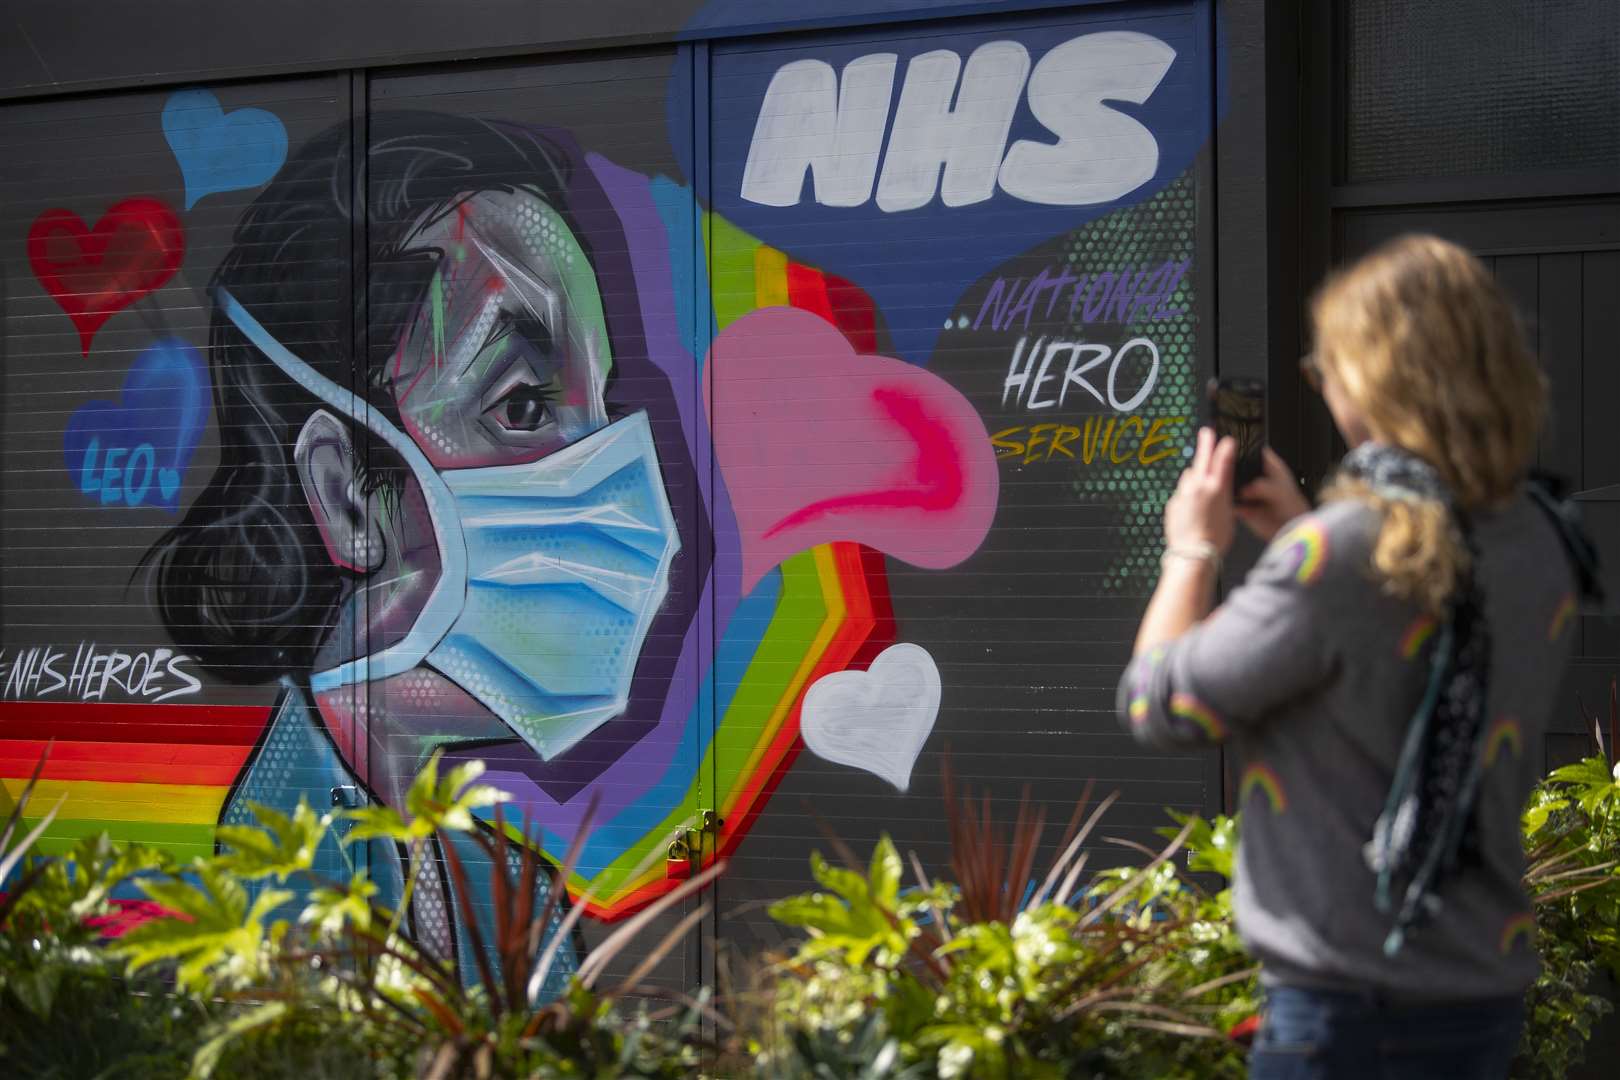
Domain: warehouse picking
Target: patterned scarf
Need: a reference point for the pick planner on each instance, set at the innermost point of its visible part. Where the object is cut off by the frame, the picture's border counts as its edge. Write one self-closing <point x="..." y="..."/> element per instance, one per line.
<point x="1428" y="820"/>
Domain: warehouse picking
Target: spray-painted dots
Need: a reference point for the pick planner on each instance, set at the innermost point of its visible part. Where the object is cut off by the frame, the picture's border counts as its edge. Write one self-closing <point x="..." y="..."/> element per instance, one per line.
<point x="1162" y="228"/>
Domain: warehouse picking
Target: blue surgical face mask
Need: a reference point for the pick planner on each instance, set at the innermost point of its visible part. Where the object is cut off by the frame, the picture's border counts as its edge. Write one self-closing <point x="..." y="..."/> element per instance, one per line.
<point x="550" y="571"/>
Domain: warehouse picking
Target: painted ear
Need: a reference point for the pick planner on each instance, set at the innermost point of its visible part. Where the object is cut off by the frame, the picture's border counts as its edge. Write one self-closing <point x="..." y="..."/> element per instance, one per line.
<point x="818" y="443"/>
<point x="330" y="473"/>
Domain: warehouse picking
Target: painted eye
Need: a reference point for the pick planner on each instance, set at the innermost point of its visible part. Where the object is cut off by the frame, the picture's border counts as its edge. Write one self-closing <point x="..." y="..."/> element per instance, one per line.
<point x="525" y="407"/>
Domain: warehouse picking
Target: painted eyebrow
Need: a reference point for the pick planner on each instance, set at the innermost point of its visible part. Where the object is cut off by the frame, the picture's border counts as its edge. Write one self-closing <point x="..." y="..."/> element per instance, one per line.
<point x="540" y="363"/>
<point x="524" y="323"/>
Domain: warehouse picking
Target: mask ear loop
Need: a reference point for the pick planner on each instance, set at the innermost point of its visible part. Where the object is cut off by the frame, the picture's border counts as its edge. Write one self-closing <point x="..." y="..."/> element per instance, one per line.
<point x="449" y="593"/>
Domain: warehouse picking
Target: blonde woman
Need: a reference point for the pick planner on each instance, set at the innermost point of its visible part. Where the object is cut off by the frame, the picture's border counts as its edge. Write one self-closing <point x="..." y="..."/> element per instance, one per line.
<point x="1383" y="675"/>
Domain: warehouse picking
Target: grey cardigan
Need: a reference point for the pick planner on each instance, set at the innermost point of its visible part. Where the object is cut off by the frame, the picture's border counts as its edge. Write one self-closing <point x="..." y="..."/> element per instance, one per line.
<point x="1311" y="672"/>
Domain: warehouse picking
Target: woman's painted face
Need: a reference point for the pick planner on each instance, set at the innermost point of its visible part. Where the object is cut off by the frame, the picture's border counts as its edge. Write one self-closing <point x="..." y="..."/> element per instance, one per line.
<point x="504" y="362"/>
<point x="506" y="358"/>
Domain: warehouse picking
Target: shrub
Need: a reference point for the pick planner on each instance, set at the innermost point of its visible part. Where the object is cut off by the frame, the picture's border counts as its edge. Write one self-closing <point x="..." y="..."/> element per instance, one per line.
<point x="992" y="975"/>
<point x="220" y="984"/>
<point x="1139" y="973"/>
<point x="1572" y="838"/>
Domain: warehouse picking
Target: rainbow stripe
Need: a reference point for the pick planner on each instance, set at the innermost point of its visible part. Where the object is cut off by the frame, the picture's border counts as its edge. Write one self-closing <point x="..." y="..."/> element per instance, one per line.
<point x="832" y="611"/>
<point x="161" y="774"/>
<point x="1140" y="706"/>
<point x="1307" y="545"/>
<point x="150" y="774"/>
<point x="1520" y="928"/>
<point x="1561" y="618"/>
<point x="1261" y="777"/>
<point x="1417" y="635"/>
<point x="1187" y="707"/>
<point x="827" y="619"/>
<point x="1504" y="732"/>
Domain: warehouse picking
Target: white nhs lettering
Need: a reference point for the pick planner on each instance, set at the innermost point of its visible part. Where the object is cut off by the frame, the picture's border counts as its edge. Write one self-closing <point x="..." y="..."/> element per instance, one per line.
<point x="810" y="119"/>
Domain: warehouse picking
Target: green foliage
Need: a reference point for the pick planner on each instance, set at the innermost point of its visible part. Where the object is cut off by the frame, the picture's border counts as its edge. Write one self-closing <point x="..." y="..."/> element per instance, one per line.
<point x="1572" y="838"/>
<point x="998" y="972"/>
<point x="959" y="980"/>
<point x="432" y="804"/>
<point x="94" y="1023"/>
<point x="299" y="1040"/>
<point x="64" y="1012"/>
<point x="81" y="885"/>
<point x="214" y="934"/>
<point x="1114" y="985"/>
<point x="862" y="918"/>
<point x="864" y="1052"/>
<point x="223" y="985"/>
<point x="278" y="846"/>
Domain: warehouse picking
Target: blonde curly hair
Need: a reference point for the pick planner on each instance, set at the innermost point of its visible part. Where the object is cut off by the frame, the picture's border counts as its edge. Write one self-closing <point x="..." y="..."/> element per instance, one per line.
<point x="1419" y="337"/>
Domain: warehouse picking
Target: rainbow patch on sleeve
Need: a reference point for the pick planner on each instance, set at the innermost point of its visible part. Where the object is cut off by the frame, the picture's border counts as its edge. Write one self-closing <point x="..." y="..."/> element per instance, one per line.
<point x="1261" y="777"/>
<point x="1504" y="732"/>
<point x="1417" y="635"/>
<point x="1140" y="706"/>
<point x="1520" y="928"/>
<point x="1306" y="544"/>
<point x="1187" y="707"/>
<point x="1561" y="618"/>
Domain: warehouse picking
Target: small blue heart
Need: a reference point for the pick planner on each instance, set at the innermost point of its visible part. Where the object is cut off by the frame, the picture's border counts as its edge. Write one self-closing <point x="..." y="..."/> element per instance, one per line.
<point x="220" y="152"/>
<point x="134" y="451"/>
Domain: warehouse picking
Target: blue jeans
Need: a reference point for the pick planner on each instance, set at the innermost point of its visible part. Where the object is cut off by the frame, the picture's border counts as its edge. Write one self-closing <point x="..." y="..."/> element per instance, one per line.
<point x="1358" y="1035"/>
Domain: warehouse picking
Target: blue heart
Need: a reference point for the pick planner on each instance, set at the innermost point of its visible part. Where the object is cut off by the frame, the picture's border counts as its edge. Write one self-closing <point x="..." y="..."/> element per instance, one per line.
<point x="219" y="152"/>
<point x="134" y="451"/>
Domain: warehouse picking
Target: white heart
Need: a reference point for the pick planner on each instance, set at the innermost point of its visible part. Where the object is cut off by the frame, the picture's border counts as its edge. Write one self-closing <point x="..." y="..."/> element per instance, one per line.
<point x="876" y="719"/>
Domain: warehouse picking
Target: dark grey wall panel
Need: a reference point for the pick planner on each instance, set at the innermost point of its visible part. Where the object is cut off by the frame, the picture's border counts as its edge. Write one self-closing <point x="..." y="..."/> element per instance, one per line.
<point x="1479" y="87"/>
<point x="49" y="48"/>
<point x="572" y="280"/>
<point x="1030" y="631"/>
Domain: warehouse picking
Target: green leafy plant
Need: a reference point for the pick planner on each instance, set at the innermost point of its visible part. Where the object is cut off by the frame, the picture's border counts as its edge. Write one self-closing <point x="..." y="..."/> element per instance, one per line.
<point x="346" y="989"/>
<point x="1572" y="841"/>
<point x="989" y="975"/>
<point x="64" y="1009"/>
<point x="1206" y="970"/>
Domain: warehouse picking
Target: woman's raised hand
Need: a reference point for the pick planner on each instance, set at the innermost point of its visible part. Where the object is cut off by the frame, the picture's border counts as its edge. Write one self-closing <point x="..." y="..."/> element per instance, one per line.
<point x="1200" y="512"/>
<point x="1272" y="499"/>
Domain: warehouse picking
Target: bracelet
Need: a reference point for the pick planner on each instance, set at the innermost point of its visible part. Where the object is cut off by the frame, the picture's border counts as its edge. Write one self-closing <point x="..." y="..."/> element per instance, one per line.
<point x="1198" y="551"/>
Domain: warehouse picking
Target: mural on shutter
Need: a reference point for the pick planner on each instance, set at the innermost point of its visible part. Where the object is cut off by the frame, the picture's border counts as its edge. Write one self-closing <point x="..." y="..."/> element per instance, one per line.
<point x="633" y="484"/>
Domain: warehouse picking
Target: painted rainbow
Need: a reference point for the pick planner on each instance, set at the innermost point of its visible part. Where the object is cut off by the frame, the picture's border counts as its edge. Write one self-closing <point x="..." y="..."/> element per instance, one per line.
<point x="142" y="773"/>
<point x="821" y="611"/>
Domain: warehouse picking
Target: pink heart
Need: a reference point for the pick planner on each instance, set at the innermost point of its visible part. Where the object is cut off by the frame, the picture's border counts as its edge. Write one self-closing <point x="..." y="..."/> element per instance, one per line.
<point x="819" y="444"/>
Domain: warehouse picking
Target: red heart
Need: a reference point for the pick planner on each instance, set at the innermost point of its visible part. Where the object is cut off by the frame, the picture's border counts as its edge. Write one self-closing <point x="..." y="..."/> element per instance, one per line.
<point x="92" y="273"/>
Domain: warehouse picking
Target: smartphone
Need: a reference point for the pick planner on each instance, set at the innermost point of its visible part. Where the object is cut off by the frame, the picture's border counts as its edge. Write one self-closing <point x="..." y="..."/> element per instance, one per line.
<point x="1237" y="407"/>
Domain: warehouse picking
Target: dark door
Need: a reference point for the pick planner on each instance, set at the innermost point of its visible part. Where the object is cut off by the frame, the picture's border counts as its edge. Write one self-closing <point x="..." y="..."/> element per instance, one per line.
<point x="1560" y="262"/>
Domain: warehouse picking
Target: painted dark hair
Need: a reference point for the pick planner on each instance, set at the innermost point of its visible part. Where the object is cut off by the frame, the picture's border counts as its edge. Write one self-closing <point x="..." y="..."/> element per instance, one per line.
<point x="243" y="583"/>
